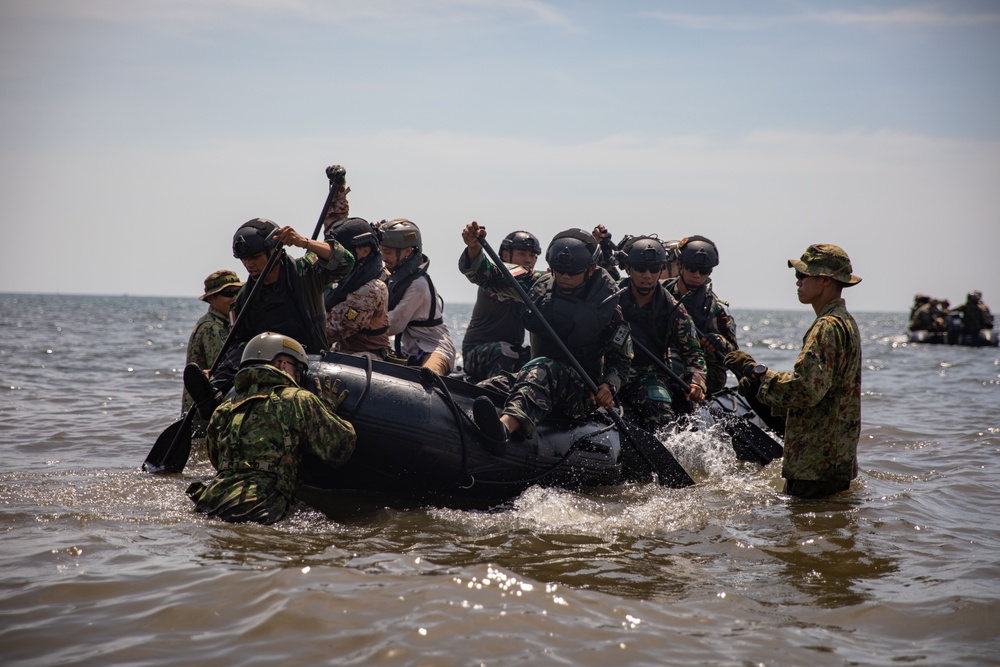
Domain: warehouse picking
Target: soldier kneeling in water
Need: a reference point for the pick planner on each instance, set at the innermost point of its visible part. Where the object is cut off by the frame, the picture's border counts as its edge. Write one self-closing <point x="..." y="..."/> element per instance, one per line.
<point x="257" y="438"/>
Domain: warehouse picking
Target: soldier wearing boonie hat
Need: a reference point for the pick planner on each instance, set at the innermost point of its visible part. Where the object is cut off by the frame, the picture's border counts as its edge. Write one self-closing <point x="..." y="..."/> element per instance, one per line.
<point x="210" y="332"/>
<point x="218" y="281"/>
<point x="826" y="259"/>
<point x="821" y="397"/>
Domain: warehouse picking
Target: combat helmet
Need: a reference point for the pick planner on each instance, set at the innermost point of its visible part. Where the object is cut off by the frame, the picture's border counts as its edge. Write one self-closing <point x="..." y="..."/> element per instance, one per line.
<point x="254" y="236"/>
<point x="572" y="251"/>
<point x="355" y="233"/>
<point x="645" y="252"/>
<point x="698" y="252"/>
<point x="521" y="240"/>
<point x="401" y="233"/>
<point x="263" y="348"/>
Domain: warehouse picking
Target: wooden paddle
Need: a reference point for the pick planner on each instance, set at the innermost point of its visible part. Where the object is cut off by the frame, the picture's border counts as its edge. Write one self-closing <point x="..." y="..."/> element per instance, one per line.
<point x="668" y="471"/>
<point x="750" y="442"/>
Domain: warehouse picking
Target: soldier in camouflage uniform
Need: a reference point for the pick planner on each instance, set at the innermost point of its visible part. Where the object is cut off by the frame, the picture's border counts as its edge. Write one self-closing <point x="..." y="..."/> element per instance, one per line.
<point x="579" y="301"/>
<point x="658" y="324"/>
<point x="357" y="319"/>
<point x="256" y="439"/>
<point x="211" y="331"/>
<point x="822" y="395"/>
<point x="494" y="341"/>
<point x="693" y="288"/>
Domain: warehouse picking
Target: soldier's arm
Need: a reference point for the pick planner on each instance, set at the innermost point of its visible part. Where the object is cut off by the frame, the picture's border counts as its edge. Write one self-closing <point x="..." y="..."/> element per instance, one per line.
<point x="813" y="373"/>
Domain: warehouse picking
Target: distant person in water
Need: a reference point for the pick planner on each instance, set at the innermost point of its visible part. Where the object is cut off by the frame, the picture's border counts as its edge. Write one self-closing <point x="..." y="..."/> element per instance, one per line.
<point x="822" y="394"/>
<point x="976" y="315"/>
<point x="256" y="439"/>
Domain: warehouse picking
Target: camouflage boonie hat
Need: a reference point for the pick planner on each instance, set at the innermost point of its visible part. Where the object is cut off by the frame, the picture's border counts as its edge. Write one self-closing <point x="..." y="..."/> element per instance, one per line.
<point x="219" y="281"/>
<point x="826" y="259"/>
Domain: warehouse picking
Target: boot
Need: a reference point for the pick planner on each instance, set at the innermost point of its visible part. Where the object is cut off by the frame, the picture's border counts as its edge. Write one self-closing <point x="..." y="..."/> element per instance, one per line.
<point x="484" y="413"/>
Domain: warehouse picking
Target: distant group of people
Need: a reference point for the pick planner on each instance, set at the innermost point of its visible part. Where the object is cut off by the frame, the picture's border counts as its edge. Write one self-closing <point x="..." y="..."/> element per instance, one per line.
<point x="936" y="315"/>
<point x="364" y="284"/>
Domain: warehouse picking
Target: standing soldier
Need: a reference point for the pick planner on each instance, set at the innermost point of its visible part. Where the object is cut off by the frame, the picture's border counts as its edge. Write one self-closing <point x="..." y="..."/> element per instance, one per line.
<point x="211" y="331"/>
<point x="822" y="394"/>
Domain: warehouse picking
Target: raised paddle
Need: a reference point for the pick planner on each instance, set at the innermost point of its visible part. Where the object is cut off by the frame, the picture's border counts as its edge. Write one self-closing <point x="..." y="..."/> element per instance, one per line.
<point x="337" y="175"/>
<point x="668" y="471"/>
<point x="749" y="442"/>
<point x="173" y="448"/>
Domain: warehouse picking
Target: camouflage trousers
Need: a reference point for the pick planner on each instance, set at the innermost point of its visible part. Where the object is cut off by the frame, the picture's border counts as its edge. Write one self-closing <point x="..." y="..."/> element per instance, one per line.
<point x="488" y="359"/>
<point x="542" y="387"/>
<point x="239" y="497"/>
<point x="646" y="398"/>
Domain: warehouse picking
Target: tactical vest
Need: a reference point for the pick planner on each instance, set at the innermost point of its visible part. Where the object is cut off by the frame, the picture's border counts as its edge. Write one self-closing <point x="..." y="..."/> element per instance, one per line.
<point x="280" y="308"/>
<point x="494" y="320"/>
<point x="233" y="441"/>
<point x="651" y="325"/>
<point x="582" y="323"/>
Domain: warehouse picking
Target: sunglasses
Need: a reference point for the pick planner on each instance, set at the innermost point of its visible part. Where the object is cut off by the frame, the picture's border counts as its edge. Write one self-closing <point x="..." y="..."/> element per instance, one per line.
<point x="802" y="276"/>
<point x="567" y="273"/>
<point x="229" y="292"/>
<point x="698" y="269"/>
<point x="645" y="269"/>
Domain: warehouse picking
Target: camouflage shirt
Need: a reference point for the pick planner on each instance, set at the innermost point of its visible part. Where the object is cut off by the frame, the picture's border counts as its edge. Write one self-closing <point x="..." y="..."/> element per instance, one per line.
<point x="822" y="397"/>
<point x="710" y="316"/>
<point x="205" y="343"/>
<point x="256" y="440"/>
<point x="360" y="323"/>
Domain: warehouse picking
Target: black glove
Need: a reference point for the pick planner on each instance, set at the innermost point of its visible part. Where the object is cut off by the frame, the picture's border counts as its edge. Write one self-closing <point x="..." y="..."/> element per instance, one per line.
<point x="739" y="362"/>
<point x="336" y="172"/>
<point x="718" y="343"/>
<point x="749" y="385"/>
<point x="329" y="392"/>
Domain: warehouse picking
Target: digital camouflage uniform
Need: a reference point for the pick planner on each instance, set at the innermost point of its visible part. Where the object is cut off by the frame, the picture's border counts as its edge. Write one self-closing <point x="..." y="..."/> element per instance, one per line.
<point x="547" y="384"/>
<point x="256" y="440"/>
<point x="360" y="323"/>
<point x="205" y="343"/>
<point x="710" y="316"/>
<point x="659" y="326"/>
<point x="494" y="341"/>
<point x="822" y="398"/>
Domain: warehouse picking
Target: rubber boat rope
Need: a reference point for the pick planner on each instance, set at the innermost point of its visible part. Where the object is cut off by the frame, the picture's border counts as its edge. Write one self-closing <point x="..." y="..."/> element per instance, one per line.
<point x="458" y="415"/>
<point x="463" y="421"/>
<point x="364" y="392"/>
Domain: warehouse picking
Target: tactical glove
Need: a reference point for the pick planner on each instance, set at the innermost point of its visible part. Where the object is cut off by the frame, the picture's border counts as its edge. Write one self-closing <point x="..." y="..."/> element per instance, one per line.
<point x="739" y="362"/>
<point x="329" y="392"/>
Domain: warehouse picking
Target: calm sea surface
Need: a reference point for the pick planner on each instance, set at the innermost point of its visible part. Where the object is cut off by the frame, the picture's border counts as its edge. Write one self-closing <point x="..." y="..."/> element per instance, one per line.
<point x="102" y="564"/>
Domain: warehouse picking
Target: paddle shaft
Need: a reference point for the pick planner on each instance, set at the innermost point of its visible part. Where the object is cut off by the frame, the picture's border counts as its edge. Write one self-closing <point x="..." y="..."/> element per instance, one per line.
<point x="337" y="176"/>
<point x="591" y="385"/>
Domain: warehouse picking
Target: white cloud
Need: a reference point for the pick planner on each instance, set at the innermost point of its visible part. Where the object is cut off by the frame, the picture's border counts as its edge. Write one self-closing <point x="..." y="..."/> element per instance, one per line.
<point x="915" y="213"/>
<point x="905" y="17"/>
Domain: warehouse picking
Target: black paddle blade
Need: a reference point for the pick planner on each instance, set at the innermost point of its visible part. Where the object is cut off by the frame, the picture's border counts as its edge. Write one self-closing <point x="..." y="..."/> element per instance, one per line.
<point x="668" y="471"/>
<point x="172" y="449"/>
<point x="750" y="442"/>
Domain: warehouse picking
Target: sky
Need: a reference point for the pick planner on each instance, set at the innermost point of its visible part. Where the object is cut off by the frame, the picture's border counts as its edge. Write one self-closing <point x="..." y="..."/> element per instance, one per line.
<point x="136" y="137"/>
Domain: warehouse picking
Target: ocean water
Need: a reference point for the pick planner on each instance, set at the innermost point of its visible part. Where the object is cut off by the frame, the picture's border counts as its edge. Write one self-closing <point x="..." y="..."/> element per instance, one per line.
<point x="102" y="564"/>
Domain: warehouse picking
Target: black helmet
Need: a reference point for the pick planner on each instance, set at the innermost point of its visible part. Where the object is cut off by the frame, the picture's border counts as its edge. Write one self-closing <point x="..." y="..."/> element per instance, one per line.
<point x="254" y="236"/>
<point x="572" y="251"/>
<point x="698" y="252"/>
<point x="521" y="240"/>
<point x="401" y="233"/>
<point x="355" y="233"/>
<point x="645" y="251"/>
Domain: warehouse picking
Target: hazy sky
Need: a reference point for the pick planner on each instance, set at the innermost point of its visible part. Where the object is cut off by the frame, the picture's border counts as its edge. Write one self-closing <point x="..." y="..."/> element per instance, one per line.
<point x="137" y="136"/>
